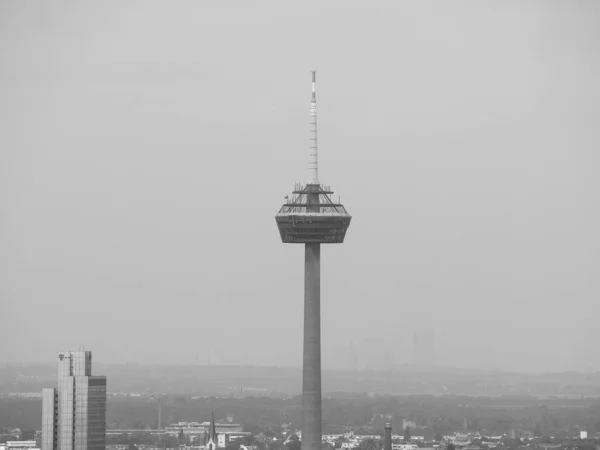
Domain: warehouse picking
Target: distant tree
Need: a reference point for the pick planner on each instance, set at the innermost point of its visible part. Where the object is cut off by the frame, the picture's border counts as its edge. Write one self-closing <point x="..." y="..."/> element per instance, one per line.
<point x="438" y="436"/>
<point x="181" y="437"/>
<point x="293" y="443"/>
<point x="28" y="435"/>
<point x="122" y="439"/>
<point x="368" y="444"/>
<point x="246" y="440"/>
<point x="450" y="446"/>
<point x="537" y="430"/>
<point x="233" y="445"/>
<point x="168" y="442"/>
<point x="131" y="447"/>
<point x="276" y="445"/>
<point x="407" y="433"/>
<point x="143" y="438"/>
<point x="254" y="429"/>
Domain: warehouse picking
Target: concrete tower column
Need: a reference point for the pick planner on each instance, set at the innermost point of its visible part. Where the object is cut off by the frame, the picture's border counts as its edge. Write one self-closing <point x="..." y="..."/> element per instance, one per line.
<point x="311" y="368"/>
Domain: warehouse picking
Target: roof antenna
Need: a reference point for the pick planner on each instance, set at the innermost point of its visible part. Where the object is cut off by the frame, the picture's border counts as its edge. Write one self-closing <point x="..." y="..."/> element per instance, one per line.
<point x="313" y="166"/>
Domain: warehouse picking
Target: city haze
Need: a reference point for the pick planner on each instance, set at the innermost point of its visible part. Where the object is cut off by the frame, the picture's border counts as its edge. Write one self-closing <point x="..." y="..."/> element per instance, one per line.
<point x="145" y="146"/>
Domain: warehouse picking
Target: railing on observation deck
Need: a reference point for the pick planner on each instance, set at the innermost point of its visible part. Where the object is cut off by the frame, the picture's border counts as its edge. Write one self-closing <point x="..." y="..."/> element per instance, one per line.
<point x="298" y="204"/>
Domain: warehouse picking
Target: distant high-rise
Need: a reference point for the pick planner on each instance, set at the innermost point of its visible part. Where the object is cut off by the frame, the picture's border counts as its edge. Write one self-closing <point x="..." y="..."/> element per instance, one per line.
<point x="424" y="348"/>
<point x="74" y="414"/>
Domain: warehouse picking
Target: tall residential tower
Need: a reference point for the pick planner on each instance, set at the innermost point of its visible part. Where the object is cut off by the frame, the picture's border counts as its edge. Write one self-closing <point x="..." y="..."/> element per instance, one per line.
<point x="74" y="414"/>
<point x="311" y="218"/>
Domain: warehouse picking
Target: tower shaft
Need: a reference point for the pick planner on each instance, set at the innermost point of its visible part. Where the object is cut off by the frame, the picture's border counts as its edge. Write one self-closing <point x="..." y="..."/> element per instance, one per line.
<point x="311" y="364"/>
<point x="311" y="367"/>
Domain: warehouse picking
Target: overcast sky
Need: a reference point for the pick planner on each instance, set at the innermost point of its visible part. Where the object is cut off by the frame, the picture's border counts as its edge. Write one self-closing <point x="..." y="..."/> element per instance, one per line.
<point x="145" y="148"/>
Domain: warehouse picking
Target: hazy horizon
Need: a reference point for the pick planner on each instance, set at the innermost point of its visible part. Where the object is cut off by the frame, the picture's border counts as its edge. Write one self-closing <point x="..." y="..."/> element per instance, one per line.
<point x="98" y="365"/>
<point x="147" y="146"/>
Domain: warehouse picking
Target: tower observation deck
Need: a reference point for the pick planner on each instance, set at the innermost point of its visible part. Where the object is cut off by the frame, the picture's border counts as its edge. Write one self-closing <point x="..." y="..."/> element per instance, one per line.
<point x="312" y="218"/>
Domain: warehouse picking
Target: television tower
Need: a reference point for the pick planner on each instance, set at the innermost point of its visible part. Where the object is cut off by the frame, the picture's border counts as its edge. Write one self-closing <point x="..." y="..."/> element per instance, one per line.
<point x="311" y="218"/>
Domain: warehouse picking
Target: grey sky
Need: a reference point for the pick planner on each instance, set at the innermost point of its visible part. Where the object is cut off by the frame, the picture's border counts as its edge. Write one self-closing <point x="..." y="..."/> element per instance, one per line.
<point x="146" y="146"/>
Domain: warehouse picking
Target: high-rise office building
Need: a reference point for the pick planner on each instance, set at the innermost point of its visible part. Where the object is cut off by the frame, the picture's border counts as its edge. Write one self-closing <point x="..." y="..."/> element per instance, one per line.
<point x="74" y="414"/>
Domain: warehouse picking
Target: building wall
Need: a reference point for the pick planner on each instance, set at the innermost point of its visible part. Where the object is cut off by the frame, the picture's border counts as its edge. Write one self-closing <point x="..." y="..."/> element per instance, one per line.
<point x="66" y="412"/>
<point x="96" y="413"/>
<point x="82" y="363"/>
<point x="65" y="368"/>
<point x="222" y="440"/>
<point x="81" y="416"/>
<point x="49" y="418"/>
<point x="80" y="435"/>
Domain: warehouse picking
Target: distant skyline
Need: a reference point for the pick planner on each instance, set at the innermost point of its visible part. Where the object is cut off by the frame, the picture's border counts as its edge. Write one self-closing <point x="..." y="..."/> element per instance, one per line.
<point x="146" y="147"/>
<point x="371" y="354"/>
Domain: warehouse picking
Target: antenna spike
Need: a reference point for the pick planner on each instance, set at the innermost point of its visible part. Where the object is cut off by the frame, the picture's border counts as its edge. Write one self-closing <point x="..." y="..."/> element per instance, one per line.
<point x="313" y="166"/>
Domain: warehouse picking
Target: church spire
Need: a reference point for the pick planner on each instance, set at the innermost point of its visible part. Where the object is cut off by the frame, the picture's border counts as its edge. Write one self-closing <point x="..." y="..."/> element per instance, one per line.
<point x="213" y="429"/>
<point x="212" y="441"/>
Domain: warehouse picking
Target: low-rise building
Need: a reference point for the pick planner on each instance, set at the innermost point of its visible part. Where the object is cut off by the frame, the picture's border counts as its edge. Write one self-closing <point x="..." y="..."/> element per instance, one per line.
<point x="404" y="446"/>
<point x="19" y="445"/>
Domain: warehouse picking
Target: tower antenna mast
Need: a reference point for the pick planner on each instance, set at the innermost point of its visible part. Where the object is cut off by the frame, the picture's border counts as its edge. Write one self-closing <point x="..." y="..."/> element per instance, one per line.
<point x="313" y="162"/>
